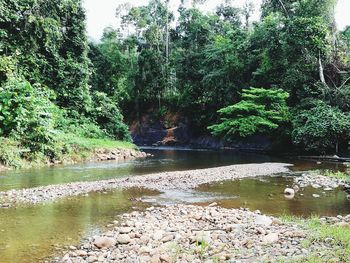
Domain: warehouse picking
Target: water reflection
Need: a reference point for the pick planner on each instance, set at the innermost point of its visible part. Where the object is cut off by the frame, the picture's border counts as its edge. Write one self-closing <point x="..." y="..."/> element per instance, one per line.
<point x="266" y="194"/>
<point x="28" y="234"/>
<point x="163" y="160"/>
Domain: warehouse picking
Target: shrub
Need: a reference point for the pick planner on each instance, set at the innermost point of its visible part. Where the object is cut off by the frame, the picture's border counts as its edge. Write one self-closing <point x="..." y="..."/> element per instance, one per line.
<point x="106" y="113"/>
<point x="27" y="114"/>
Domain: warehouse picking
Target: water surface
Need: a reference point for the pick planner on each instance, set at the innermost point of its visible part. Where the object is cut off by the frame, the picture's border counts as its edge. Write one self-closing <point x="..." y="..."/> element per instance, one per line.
<point x="266" y="195"/>
<point x="163" y="160"/>
<point x="30" y="233"/>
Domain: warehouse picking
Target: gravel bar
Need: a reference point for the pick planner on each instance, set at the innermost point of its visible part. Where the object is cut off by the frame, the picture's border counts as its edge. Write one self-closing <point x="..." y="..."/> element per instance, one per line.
<point x="158" y="181"/>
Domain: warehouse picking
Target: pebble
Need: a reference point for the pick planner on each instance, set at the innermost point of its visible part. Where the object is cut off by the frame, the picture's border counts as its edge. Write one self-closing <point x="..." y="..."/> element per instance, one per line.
<point x="123" y="239"/>
<point x="182" y="180"/>
<point x="270" y="238"/>
<point x="165" y="235"/>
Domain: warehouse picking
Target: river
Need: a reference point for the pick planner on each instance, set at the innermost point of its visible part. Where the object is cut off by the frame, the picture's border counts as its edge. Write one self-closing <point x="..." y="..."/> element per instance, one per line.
<point x="33" y="233"/>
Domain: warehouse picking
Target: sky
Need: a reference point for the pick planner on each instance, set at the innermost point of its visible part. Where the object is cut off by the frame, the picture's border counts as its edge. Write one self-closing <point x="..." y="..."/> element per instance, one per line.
<point x="101" y="13"/>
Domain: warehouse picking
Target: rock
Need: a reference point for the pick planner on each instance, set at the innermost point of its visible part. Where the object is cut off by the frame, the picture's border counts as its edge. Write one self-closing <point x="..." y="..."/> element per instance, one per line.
<point x="316" y="195"/>
<point x="92" y="259"/>
<point x="263" y="220"/>
<point x="125" y="230"/>
<point x="167" y="238"/>
<point x="248" y="243"/>
<point x="155" y="259"/>
<point x="289" y="191"/>
<point x="298" y="234"/>
<point x="158" y="235"/>
<point x="104" y="242"/>
<point x="66" y="259"/>
<point x="123" y="239"/>
<point x="165" y="258"/>
<point x="270" y="238"/>
<point x="213" y="204"/>
<point x="316" y="186"/>
<point x="260" y="230"/>
<point x="296" y="188"/>
<point x="277" y="221"/>
<point x="327" y="189"/>
<point x="81" y="253"/>
<point x="201" y="238"/>
<point x="145" y="250"/>
<point x="72" y="248"/>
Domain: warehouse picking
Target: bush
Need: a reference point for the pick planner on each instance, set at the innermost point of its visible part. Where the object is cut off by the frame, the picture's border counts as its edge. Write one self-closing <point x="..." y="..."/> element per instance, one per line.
<point x="106" y="113"/>
<point x="80" y="126"/>
<point x="10" y="153"/>
<point x="27" y="114"/>
<point x="320" y="127"/>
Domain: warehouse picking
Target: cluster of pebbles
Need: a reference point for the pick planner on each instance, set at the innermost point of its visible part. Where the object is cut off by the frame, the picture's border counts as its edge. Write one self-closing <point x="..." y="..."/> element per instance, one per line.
<point x="181" y="180"/>
<point x="187" y="233"/>
<point x="117" y="154"/>
<point x="319" y="181"/>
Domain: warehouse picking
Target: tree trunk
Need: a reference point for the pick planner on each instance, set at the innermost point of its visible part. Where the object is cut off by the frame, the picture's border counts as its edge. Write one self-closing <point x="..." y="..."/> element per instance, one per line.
<point x="322" y="78"/>
<point x="336" y="147"/>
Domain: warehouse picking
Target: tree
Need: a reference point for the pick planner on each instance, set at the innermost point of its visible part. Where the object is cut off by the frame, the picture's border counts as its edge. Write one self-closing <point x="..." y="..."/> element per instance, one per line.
<point x="260" y="111"/>
<point x="320" y="127"/>
<point x="50" y="44"/>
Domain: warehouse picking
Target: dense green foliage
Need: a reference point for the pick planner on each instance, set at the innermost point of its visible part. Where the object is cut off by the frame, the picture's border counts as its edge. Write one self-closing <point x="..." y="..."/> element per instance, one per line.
<point x="202" y="63"/>
<point x="321" y="127"/>
<point x="45" y="71"/>
<point x="189" y="62"/>
<point x="260" y="111"/>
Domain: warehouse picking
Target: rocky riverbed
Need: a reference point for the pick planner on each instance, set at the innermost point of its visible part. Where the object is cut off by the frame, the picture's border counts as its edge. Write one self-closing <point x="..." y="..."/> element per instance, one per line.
<point x="319" y="181"/>
<point x="117" y="154"/>
<point x="159" y="181"/>
<point x="187" y="233"/>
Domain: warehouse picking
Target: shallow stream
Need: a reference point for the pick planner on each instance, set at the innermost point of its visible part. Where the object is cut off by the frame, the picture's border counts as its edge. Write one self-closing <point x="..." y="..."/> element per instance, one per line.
<point x="32" y="233"/>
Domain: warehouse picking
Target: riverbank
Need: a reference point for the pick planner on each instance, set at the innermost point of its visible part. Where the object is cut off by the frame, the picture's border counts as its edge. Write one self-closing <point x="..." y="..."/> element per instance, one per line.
<point x="69" y="150"/>
<point x="187" y="233"/>
<point x="159" y="181"/>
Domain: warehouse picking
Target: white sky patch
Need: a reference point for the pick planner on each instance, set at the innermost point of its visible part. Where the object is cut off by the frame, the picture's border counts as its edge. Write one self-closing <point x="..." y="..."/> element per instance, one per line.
<point x="102" y="13"/>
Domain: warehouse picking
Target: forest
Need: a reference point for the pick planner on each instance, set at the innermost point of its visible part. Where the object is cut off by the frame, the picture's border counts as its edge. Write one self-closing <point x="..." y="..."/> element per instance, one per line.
<point x="286" y="76"/>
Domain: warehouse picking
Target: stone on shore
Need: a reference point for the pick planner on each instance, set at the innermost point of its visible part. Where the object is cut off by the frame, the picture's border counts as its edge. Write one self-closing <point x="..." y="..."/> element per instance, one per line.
<point x="104" y="242"/>
<point x="123" y="239"/>
<point x="163" y="234"/>
<point x="270" y="238"/>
